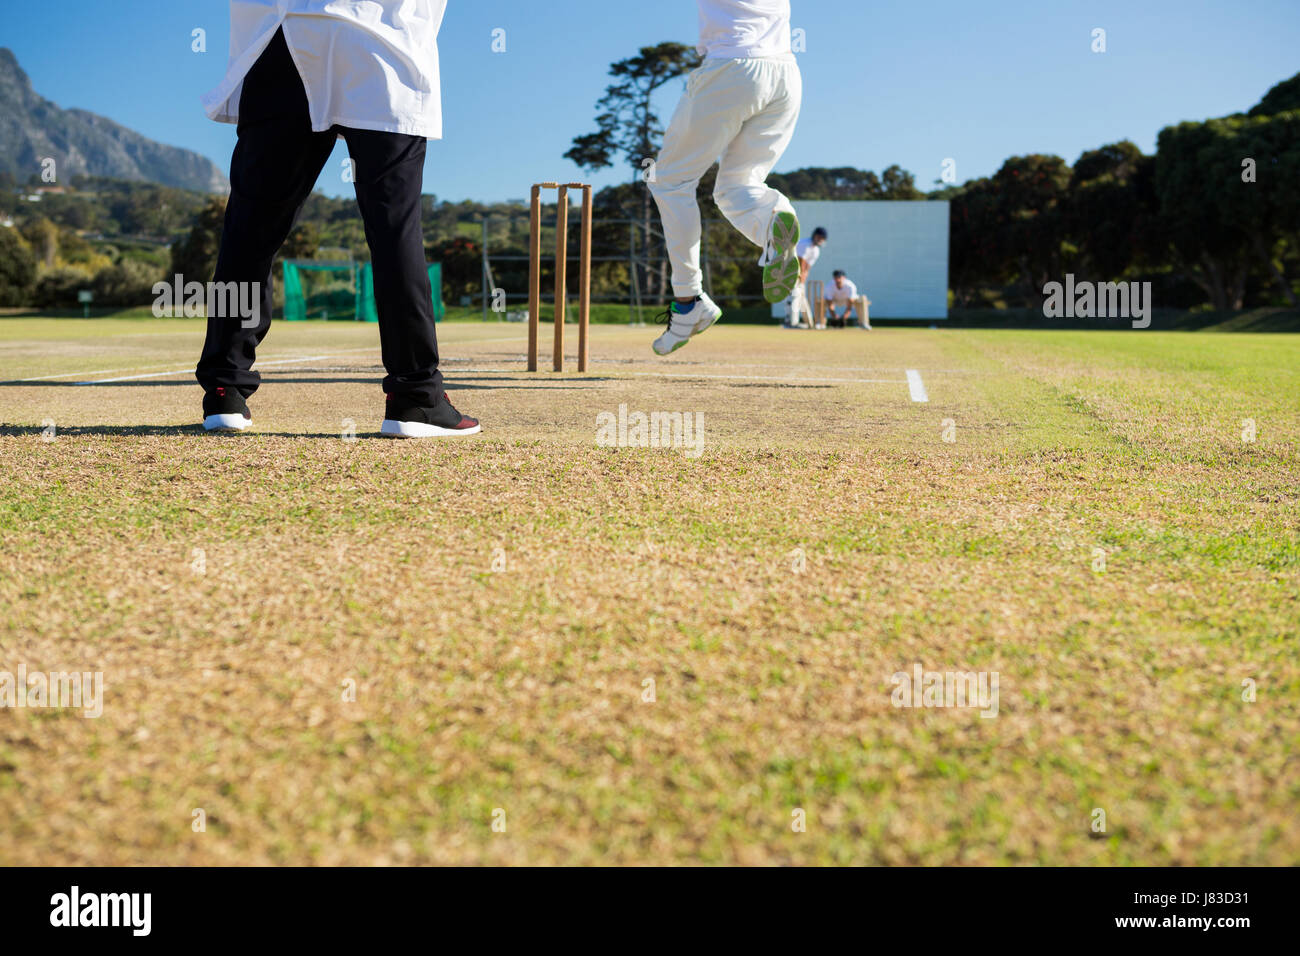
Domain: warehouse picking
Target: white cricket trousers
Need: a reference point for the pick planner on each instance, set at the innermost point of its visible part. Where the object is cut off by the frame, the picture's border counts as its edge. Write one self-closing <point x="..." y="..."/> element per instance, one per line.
<point x="799" y="305"/>
<point x="741" y="114"/>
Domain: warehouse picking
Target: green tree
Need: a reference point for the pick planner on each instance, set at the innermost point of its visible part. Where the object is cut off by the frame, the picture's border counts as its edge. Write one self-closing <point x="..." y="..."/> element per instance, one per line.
<point x="629" y="128"/>
<point x="1105" y="210"/>
<point x="898" y="183"/>
<point x="846" y="183"/>
<point x="58" y="287"/>
<point x="43" y="237"/>
<point x="1283" y="259"/>
<point x="1282" y="98"/>
<point x="303" y="242"/>
<point x="1268" y="210"/>
<point x="17" y="268"/>
<point x="627" y="125"/>
<point x="1030" y="191"/>
<point x="128" y="282"/>
<point x="195" y="258"/>
<point x="818" y="183"/>
<point x="978" y="256"/>
<point x="1219" y="225"/>
<point x="462" y="267"/>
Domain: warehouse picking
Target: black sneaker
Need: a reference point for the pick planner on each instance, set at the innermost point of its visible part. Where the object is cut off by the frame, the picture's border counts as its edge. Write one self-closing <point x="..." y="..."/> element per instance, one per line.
<point x="224" y="410"/>
<point x="402" y="419"/>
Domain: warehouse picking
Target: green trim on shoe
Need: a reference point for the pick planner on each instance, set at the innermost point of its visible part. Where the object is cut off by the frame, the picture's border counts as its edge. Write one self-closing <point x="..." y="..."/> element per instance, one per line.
<point x="680" y="344"/>
<point x="782" y="274"/>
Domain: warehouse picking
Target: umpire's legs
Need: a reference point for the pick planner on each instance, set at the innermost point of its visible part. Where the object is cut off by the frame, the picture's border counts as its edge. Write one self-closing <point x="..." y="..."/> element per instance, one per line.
<point x="275" y="165"/>
<point x="389" y="174"/>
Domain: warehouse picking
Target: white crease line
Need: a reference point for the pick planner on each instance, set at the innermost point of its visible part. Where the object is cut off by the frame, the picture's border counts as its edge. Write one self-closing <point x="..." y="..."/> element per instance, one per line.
<point x="837" y="368"/>
<point x="616" y="374"/>
<point x="179" y="371"/>
<point x="915" y="386"/>
<point x="158" y="370"/>
<point x="769" y="378"/>
<point x="133" y="368"/>
<point x="96" y="371"/>
<point x="500" y="338"/>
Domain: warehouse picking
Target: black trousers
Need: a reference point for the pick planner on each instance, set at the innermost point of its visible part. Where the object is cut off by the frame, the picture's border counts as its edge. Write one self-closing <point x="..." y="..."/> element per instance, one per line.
<point x="275" y="165"/>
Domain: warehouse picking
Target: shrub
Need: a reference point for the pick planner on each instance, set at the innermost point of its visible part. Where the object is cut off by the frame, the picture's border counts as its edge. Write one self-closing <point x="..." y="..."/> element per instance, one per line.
<point x="17" y="269"/>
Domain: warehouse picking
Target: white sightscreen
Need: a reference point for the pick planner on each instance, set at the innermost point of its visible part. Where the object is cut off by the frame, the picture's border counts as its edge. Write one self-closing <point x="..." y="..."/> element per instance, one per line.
<point x="896" y="252"/>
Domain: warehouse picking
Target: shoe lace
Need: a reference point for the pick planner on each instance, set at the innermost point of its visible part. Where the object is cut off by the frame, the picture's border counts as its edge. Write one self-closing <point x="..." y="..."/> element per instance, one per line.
<point x="666" y="316"/>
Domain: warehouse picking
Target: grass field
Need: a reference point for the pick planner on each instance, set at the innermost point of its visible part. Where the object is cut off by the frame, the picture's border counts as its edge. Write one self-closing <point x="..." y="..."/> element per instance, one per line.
<point x="1098" y="533"/>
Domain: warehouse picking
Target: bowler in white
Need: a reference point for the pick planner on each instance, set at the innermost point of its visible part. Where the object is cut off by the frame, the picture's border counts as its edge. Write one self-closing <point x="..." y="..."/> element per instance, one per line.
<point x="739" y="110"/>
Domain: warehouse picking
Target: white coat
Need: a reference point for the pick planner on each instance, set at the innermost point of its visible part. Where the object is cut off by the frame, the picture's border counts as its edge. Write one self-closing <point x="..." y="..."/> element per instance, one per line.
<point x="365" y="64"/>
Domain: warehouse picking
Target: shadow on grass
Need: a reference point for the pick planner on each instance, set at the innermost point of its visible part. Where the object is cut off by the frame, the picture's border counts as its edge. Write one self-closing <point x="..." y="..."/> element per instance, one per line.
<point x="18" y="431"/>
<point x="1269" y="319"/>
<point x="452" y="383"/>
<point x="145" y="431"/>
<point x="149" y="431"/>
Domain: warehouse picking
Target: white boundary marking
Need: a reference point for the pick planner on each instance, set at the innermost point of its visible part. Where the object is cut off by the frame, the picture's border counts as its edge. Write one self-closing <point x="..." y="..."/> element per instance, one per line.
<point x="915" y="386"/>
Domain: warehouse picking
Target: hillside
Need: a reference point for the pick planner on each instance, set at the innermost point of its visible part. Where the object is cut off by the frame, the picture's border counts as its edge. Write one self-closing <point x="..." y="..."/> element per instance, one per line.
<point x="32" y="127"/>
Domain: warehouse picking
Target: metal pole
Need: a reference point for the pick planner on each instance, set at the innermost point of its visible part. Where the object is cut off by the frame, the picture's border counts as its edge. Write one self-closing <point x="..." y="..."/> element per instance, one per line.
<point x="486" y="290"/>
<point x="634" y="272"/>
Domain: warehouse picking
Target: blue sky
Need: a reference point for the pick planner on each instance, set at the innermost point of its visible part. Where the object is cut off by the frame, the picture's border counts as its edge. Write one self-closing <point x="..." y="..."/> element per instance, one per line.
<point x="885" y="81"/>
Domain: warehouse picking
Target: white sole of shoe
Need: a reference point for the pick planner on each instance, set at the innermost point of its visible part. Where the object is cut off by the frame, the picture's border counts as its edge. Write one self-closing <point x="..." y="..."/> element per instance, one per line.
<point x="671" y="348"/>
<point x="395" y="429"/>
<point x="706" y="323"/>
<point x="226" y="423"/>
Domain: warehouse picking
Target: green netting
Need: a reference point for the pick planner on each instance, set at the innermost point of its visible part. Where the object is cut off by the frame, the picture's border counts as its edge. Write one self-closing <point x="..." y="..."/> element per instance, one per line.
<point x="435" y="283"/>
<point x="295" y="306"/>
<point x="366" y="295"/>
<point x="341" y="290"/>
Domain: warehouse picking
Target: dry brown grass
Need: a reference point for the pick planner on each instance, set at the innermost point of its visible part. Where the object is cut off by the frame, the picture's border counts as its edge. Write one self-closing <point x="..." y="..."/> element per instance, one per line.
<point x="521" y="689"/>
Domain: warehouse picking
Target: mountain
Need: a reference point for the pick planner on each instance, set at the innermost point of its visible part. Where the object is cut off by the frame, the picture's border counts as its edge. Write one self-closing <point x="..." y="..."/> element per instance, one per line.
<point x="32" y="128"/>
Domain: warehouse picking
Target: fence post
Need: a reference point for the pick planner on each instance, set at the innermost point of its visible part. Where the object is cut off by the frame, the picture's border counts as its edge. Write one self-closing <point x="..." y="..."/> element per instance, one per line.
<point x="633" y="300"/>
<point x="486" y="290"/>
